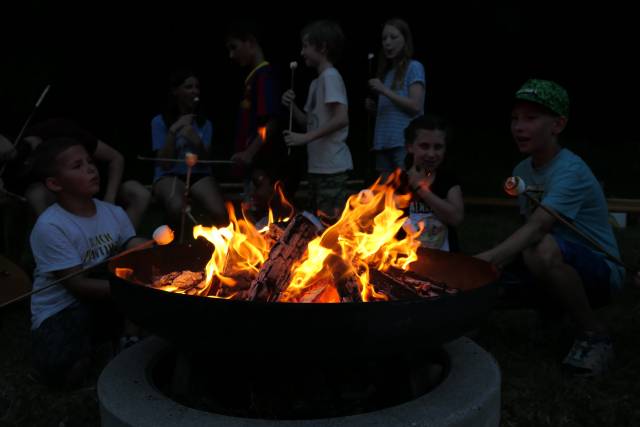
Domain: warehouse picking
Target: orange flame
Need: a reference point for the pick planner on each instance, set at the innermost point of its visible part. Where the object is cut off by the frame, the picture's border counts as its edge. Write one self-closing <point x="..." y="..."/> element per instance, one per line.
<point x="237" y="247"/>
<point x="363" y="236"/>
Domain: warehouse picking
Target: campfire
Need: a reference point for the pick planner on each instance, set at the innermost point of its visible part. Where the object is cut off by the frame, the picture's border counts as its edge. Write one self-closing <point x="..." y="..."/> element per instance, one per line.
<point x="357" y="259"/>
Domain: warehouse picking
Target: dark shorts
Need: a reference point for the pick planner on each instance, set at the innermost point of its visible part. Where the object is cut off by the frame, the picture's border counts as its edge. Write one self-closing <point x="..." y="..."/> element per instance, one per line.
<point x="71" y="335"/>
<point x="591" y="267"/>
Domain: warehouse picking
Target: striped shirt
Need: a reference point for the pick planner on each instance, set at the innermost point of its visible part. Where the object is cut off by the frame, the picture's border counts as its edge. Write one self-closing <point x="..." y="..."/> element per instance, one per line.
<point x="391" y="120"/>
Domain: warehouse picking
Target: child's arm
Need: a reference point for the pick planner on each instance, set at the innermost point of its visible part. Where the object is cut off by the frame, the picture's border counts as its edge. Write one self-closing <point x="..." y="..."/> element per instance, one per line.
<point x="411" y="105"/>
<point x="169" y="136"/>
<point x="201" y="145"/>
<point x="115" y="163"/>
<point x="537" y="226"/>
<point x="449" y="210"/>
<point x="82" y="286"/>
<point x="339" y="119"/>
<point x="249" y="153"/>
<point x="299" y="116"/>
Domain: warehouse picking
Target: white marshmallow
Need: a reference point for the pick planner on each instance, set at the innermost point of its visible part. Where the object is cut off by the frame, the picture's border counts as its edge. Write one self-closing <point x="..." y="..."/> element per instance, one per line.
<point x="163" y="235"/>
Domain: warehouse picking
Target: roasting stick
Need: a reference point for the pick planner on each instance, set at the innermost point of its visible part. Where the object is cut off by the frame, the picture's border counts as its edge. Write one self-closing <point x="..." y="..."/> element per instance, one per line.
<point x="26" y="123"/>
<point x="515" y="186"/>
<point x="163" y="235"/>
<point x="293" y="65"/>
<point x="204" y="162"/>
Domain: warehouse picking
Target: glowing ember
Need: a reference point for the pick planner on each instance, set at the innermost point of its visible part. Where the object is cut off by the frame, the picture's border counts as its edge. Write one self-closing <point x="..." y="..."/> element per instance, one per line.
<point x="262" y="132"/>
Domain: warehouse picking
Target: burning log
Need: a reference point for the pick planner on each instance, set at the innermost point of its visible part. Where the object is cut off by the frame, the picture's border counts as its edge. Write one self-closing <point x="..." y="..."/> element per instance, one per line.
<point x="398" y="284"/>
<point x="275" y="232"/>
<point x="391" y="287"/>
<point x="275" y="273"/>
<point x="344" y="278"/>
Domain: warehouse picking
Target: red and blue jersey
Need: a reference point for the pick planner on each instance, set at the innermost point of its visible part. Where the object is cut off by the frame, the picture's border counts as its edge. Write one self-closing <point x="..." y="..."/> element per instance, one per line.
<point x="259" y="104"/>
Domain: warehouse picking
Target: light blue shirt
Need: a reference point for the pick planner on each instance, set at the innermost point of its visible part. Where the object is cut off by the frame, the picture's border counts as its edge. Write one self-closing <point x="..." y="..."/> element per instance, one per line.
<point x="391" y="121"/>
<point x="567" y="185"/>
<point x="159" y="132"/>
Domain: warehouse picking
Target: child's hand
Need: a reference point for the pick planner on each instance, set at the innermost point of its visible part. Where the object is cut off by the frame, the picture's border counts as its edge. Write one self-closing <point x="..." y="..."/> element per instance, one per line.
<point x="242" y="157"/>
<point x="419" y="178"/>
<point x="377" y="86"/>
<point x="370" y="105"/>
<point x="190" y="133"/>
<point x="182" y="122"/>
<point x="292" y="138"/>
<point x="288" y="97"/>
<point x="7" y="150"/>
<point x="485" y="256"/>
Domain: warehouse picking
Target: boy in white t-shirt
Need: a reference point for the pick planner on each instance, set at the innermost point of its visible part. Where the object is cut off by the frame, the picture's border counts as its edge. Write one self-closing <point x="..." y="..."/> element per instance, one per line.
<point x="325" y="119"/>
<point x="76" y="232"/>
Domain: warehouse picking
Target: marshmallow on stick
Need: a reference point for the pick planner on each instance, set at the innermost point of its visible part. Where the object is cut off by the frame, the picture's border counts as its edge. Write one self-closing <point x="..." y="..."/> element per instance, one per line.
<point x="163" y="235"/>
<point x="292" y="65"/>
<point x="191" y="159"/>
<point x="515" y="186"/>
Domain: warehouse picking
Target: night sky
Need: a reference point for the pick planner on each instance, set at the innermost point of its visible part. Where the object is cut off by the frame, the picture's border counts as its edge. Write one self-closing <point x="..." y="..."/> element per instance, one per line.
<point x="108" y="69"/>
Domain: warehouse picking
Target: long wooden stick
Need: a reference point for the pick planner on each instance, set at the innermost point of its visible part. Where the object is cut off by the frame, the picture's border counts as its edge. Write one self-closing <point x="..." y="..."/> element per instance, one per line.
<point x="185" y="204"/>
<point x="293" y="71"/>
<point x="26" y="123"/>
<point x="579" y="232"/>
<point x="293" y="65"/>
<point x="207" y="162"/>
<point x="141" y="246"/>
<point x="367" y="113"/>
<point x="14" y="195"/>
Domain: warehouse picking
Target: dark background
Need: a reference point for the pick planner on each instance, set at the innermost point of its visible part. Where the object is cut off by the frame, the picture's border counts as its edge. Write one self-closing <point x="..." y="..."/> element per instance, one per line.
<point x="107" y="64"/>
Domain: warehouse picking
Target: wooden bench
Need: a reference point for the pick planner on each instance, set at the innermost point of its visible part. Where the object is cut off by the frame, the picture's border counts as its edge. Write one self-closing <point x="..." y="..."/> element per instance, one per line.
<point x="615" y="204"/>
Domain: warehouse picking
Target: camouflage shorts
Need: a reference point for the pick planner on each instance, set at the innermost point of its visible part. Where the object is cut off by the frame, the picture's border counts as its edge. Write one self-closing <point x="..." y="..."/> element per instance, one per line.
<point x="328" y="192"/>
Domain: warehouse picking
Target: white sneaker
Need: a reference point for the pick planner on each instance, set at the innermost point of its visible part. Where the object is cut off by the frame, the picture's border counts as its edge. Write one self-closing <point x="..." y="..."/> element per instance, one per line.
<point x="589" y="356"/>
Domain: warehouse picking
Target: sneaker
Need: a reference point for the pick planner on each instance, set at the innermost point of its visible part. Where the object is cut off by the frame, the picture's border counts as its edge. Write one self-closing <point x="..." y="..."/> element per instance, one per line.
<point x="589" y="356"/>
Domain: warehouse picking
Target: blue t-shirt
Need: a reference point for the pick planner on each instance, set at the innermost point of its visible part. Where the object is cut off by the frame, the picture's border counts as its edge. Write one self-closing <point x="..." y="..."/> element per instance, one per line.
<point x="159" y="132"/>
<point x="391" y="120"/>
<point x="567" y="185"/>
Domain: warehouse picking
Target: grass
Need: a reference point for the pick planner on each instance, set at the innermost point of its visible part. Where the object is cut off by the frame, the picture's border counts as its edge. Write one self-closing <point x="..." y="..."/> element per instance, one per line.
<point x="534" y="390"/>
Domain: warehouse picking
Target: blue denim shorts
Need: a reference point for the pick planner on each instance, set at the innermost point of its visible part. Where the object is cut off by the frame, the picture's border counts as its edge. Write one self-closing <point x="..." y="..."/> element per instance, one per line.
<point x="591" y="266"/>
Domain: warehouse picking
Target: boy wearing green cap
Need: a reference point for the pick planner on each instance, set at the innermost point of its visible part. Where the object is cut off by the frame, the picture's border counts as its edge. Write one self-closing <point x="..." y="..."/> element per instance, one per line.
<point x="569" y="269"/>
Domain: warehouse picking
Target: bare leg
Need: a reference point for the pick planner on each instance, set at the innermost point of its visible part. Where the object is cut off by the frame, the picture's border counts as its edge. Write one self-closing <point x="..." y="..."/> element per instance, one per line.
<point x="546" y="264"/>
<point x="39" y="198"/>
<point x="135" y="199"/>
<point x="169" y="191"/>
<point x="207" y="193"/>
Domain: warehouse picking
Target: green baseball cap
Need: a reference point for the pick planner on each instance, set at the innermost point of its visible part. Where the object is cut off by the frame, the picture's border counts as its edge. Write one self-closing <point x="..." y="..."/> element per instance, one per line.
<point x="546" y="93"/>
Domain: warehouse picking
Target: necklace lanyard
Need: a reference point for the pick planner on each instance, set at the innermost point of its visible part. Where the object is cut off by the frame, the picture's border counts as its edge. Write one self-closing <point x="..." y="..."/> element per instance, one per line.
<point x="260" y="65"/>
